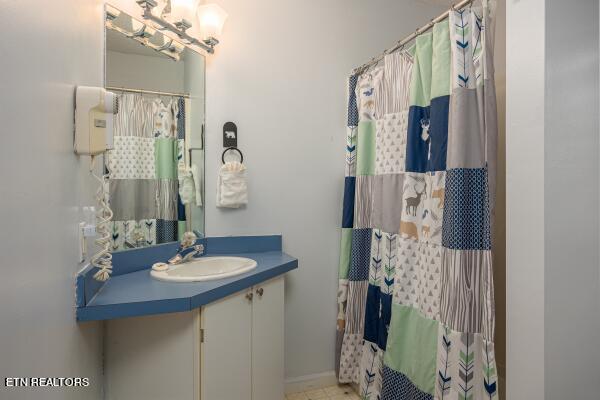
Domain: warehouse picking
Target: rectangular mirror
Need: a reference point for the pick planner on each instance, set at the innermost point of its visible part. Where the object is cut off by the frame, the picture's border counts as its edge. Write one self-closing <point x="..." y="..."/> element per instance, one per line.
<point x="157" y="164"/>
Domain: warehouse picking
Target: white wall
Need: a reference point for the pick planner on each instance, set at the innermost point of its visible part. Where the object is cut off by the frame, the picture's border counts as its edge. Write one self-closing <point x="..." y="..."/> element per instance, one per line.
<point x="525" y="199"/>
<point x="553" y="281"/>
<point x="572" y="279"/>
<point x="43" y="185"/>
<point x="280" y="75"/>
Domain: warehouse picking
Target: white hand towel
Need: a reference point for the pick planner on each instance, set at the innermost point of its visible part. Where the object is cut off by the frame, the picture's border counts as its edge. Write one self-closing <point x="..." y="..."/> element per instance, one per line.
<point x="232" y="189"/>
<point x="186" y="185"/>
<point x="197" y="184"/>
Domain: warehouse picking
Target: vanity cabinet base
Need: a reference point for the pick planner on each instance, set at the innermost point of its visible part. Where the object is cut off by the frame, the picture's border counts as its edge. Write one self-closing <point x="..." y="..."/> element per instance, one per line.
<point x="231" y="349"/>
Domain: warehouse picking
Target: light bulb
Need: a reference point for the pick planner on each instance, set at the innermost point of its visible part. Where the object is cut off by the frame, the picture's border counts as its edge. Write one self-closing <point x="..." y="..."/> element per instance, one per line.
<point x="211" y="18"/>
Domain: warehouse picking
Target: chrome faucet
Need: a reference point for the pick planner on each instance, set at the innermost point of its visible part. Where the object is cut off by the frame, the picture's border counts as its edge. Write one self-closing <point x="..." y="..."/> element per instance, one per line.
<point x="188" y="249"/>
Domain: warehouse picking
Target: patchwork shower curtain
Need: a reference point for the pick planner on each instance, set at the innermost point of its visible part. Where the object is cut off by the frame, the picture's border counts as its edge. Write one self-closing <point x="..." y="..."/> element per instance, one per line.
<point x="144" y="191"/>
<point x="415" y="298"/>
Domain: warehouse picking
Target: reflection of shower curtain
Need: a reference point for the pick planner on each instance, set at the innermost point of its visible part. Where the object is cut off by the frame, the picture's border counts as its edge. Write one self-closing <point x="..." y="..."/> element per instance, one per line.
<point x="416" y="306"/>
<point x="143" y="167"/>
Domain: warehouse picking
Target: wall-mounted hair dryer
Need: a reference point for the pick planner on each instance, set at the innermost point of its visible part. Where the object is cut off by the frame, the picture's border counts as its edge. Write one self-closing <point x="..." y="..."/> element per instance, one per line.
<point x="94" y="110"/>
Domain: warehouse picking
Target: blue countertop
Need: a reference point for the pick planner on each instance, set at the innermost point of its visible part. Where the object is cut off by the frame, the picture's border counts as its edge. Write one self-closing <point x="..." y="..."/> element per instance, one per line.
<point x="137" y="293"/>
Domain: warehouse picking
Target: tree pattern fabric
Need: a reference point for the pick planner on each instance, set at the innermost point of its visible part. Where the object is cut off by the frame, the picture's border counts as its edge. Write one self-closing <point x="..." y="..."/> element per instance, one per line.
<point x="415" y="299"/>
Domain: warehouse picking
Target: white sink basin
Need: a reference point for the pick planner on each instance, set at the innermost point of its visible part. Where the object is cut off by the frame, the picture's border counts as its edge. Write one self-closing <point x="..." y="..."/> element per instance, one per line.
<point x="205" y="269"/>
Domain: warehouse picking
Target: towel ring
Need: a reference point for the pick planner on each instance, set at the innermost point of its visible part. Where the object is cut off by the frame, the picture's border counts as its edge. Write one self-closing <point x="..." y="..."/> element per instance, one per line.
<point x="232" y="148"/>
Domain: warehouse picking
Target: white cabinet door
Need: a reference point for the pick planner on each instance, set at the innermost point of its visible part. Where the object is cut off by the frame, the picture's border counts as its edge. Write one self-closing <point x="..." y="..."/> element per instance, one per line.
<point x="267" y="340"/>
<point x="152" y="357"/>
<point x="231" y="349"/>
<point x="226" y="351"/>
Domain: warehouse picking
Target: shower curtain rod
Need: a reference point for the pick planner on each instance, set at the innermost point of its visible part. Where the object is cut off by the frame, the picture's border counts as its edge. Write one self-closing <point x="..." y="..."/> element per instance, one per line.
<point x="401" y="43"/>
<point x="141" y="91"/>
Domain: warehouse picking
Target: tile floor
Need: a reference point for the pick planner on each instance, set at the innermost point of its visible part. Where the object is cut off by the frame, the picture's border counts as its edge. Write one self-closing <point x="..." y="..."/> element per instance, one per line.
<point x="341" y="392"/>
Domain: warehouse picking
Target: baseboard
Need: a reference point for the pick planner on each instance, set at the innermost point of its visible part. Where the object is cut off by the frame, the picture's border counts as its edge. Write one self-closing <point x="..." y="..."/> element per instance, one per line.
<point x="310" y="382"/>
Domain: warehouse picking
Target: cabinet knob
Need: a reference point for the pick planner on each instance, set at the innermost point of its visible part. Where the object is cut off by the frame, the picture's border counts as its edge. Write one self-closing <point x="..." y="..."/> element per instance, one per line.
<point x="260" y="291"/>
<point x="249" y="296"/>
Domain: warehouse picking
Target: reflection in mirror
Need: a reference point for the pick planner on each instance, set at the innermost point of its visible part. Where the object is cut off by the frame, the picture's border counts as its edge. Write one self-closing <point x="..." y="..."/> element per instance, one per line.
<point x="157" y="163"/>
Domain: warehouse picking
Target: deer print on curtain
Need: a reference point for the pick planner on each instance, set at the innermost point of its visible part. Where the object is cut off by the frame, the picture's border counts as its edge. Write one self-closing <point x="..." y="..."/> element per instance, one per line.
<point x="415" y="298"/>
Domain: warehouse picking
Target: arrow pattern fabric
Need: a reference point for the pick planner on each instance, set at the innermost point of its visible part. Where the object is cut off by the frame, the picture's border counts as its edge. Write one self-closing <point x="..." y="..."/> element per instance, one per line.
<point x="415" y="298"/>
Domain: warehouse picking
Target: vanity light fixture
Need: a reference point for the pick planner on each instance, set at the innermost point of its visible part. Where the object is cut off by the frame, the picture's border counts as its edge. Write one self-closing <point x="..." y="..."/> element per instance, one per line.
<point x="142" y="33"/>
<point x="211" y="18"/>
<point x="180" y="16"/>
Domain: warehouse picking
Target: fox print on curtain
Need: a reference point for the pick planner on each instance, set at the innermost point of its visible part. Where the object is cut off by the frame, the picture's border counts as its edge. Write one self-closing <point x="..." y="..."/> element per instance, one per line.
<point x="415" y="297"/>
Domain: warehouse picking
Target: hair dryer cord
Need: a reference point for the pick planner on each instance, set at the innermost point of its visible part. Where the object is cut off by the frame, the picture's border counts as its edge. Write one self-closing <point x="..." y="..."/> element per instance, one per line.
<point x="102" y="259"/>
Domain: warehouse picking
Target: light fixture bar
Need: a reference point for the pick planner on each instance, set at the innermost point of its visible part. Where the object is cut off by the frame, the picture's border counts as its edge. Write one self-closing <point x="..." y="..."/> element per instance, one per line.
<point x="179" y="28"/>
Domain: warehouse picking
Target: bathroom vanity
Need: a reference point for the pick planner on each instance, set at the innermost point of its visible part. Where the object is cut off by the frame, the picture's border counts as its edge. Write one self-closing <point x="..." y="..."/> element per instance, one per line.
<point x="219" y="339"/>
<point x="208" y="322"/>
<point x="229" y="349"/>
